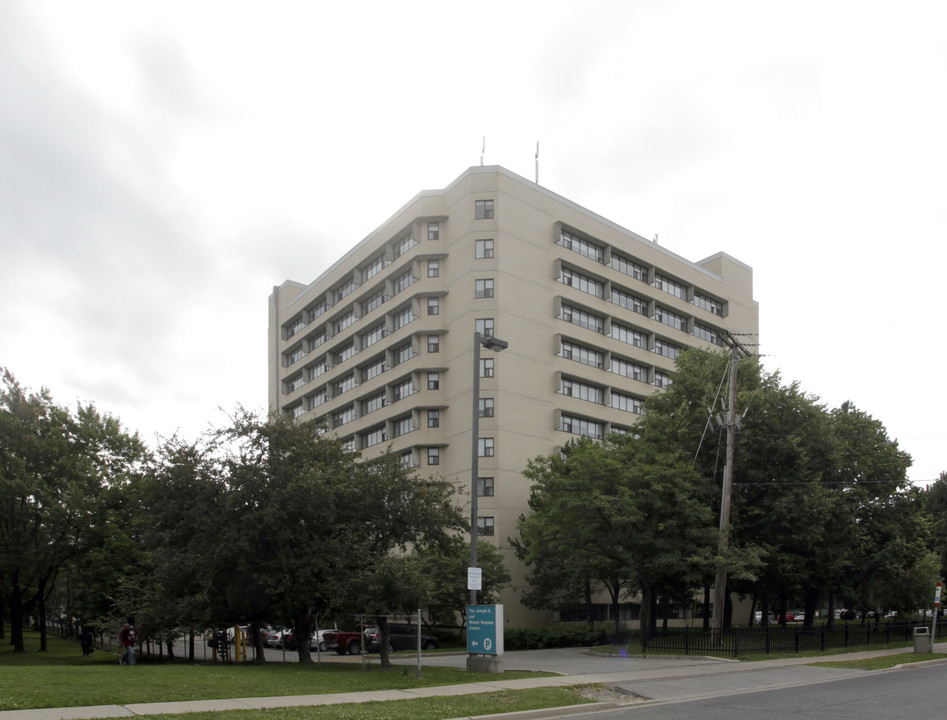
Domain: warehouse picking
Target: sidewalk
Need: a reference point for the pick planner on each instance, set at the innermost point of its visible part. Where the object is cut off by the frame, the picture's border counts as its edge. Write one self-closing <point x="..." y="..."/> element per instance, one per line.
<point x="661" y="682"/>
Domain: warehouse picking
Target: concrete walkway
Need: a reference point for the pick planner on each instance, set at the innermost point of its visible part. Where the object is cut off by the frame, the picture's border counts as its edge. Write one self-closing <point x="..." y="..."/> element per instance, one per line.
<point x="631" y="680"/>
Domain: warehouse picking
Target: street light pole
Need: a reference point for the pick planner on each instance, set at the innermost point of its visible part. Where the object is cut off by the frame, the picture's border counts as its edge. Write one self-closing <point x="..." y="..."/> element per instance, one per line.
<point x="495" y="344"/>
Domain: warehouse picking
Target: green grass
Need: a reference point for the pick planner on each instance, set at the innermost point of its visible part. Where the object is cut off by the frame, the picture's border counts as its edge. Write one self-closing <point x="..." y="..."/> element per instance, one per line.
<point x="61" y="677"/>
<point x="884" y="662"/>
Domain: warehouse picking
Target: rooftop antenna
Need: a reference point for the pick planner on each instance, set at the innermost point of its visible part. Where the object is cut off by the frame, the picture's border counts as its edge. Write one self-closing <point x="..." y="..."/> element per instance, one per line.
<point x="537" y="162"/>
<point x="655" y="238"/>
<point x="483" y="150"/>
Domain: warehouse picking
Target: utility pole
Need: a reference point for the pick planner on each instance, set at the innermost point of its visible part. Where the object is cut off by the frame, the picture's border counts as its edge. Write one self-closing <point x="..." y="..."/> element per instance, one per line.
<point x="731" y="423"/>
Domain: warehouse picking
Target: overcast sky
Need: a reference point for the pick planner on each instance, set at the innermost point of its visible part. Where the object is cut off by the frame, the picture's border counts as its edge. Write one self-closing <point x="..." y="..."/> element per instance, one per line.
<point x="164" y="164"/>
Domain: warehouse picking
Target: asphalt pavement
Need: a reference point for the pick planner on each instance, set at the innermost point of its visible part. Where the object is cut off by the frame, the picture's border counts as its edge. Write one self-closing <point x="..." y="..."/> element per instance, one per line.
<point x="623" y="680"/>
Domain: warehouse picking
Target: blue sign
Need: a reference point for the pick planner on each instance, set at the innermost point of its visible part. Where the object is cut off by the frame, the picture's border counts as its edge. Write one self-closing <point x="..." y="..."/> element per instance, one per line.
<point x="485" y="629"/>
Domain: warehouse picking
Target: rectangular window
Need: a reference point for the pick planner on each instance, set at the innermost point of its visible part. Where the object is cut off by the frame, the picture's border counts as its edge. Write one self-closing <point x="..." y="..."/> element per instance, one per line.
<point x="370" y="337"/>
<point x="374" y="436"/>
<point x="483" y="249"/>
<point x="483" y="288"/>
<point x="433" y="343"/>
<point x="581" y="390"/>
<point x="318" y="340"/>
<point x="295" y="356"/>
<point x="318" y="369"/>
<point x="584" y="355"/>
<point x="484" y="326"/>
<point x="708" y="304"/>
<point x="373" y="370"/>
<point x="295" y="328"/>
<point x="433" y="456"/>
<point x="317" y="311"/>
<point x="483" y="209"/>
<point x="345" y="353"/>
<point x="343" y="385"/>
<point x="670" y="286"/>
<point x="403" y="390"/>
<point x="629" y="301"/>
<point x="486" y="407"/>
<point x="629" y="267"/>
<point x="433" y="306"/>
<point x="433" y="418"/>
<point x="296" y="383"/>
<point x="317" y="399"/>
<point x="668" y="350"/>
<point x="485" y="487"/>
<point x="671" y="319"/>
<point x="581" y="426"/>
<point x="583" y="318"/>
<point x="375" y="402"/>
<point x="628" y="403"/>
<point x="402" y="317"/>
<point x="485" y="447"/>
<point x="582" y="282"/>
<point x="433" y="231"/>
<point x="344" y="290"/>
<point x="343" y="416"/>
<point x="373" y="267"/>
<point x="627" y="335"/>
<point x="582" y="246"/>
<point x="344" y="321"/>
<point x="433" y="268"/>
<point x="298" y="410"/>
<point x="485" y="526"/>
<point x="707" y="334"/>
<point x="629" y="369"/>
<point x="373" y="302"/>
<point x="433" y="381"/>
<point x="402" y="426"/>
<point x="402" y="282"/>
<point x="402" y="353"/>
<point x="405" y="244"/>
<point x="661" y="380"/>
<point x="486" y="367"/>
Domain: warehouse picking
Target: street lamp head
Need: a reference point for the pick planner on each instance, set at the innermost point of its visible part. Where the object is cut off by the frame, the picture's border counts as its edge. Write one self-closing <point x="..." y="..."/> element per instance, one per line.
<point x="495" y="344"/>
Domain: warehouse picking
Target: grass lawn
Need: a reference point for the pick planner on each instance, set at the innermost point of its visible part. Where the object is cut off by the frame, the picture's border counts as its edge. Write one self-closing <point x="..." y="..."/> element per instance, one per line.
<point x="61" y="677"/>
<point x="884" y="662"/>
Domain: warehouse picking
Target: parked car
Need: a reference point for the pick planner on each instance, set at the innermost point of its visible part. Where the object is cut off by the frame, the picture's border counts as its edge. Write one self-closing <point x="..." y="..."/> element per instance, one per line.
<point x="400" y="637"/>
<point x="343" y="642"/>
<point x="273" y="637"/>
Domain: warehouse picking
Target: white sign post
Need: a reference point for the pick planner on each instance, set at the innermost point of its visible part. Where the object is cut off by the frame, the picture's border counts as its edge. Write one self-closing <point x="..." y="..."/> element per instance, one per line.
<point x="940" y="586"/>
<point x="474" y="578"/>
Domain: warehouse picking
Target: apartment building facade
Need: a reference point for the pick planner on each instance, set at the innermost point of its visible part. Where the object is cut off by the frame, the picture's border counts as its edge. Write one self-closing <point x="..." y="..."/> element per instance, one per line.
<point x="380" y="347"/>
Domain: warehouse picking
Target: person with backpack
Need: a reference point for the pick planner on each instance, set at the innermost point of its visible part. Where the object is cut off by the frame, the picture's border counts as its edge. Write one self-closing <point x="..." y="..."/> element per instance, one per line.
<point x="127" y="637"/>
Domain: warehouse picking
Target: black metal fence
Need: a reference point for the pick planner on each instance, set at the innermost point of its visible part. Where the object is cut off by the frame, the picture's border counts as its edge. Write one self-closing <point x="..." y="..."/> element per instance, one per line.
<point x="733" y="642"/>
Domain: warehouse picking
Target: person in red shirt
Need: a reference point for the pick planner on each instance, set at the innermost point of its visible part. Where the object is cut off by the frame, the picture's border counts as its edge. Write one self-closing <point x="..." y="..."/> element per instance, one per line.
<point x="128" y="636"/>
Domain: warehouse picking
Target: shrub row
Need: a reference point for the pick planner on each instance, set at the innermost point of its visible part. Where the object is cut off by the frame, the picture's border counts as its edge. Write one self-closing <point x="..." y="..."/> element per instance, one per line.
<point x="554" y="636"/>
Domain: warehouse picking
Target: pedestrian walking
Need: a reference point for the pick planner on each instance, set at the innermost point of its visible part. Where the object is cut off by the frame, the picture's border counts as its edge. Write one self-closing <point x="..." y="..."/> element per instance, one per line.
<point x="127" y="637"/>
<point x="85" y="640"/>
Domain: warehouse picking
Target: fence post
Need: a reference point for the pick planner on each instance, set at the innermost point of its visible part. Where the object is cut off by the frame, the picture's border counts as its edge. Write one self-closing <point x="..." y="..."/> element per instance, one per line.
<point x="687" y="640"/>
<point x="822" y="639"/>
<point x="767" y="638"/>
<point x="868" y="634"/>
<point x="796" y="633"/>
<point x="736" y="642"/>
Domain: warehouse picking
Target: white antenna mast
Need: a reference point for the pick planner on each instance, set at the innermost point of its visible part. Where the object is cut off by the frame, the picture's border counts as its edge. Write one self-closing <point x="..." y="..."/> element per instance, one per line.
<point x="483" y="150"/>
<point x="537" y="162"/>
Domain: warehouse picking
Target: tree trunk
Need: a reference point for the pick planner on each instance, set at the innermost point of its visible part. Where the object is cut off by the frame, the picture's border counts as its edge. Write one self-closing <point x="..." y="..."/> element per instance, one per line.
<point x="42" y="616"/>
<point x="16" y="615"/>
<point x="830" y="621"/>
<point x="588" y="602"/>
<point x="384" y="638"/>
<point x="644" y="617"/>
<point x="812" y="602"/>
<point x="706" y="607"/>
<point x="615" y="592"/>
<point x="302" y="629"/>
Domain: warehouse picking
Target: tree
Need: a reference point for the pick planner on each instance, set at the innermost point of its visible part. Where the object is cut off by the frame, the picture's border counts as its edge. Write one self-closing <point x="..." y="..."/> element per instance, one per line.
<point x="935" y="504"/>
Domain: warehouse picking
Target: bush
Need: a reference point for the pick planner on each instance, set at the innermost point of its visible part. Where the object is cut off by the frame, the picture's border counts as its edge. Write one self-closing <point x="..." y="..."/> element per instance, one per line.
<point x="554" y="636"/>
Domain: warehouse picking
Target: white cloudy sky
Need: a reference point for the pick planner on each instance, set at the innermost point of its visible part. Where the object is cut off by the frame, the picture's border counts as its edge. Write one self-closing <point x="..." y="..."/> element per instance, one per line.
<point x="164" y="164"/>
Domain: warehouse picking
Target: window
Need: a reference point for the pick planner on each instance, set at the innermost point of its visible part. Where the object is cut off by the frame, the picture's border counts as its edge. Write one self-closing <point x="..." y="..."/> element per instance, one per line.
<point x="344" y="321"/>
<point x="373" y="436"/>
<point x="433" y="381"/>
<point x="433" y="306"/>
<point x="317" y="340"/>
<point x="670" y="286"/>
<point x="295" y="328"/>
<point x="486" y="367"/>
<point x="433" y="343"/>
<point x="581" y="390"/>
<point x="627" y="403"/>
<point x="433" y="456"/>
<point x="584" y="355"/>
<point x="317" y="399"/>
<point x="373" y="335"/>
<point x="627" y="335"/>
<point x="403" y="390"/>
<point x="483" y="209"/>
<point x="298" y="410"/>
<point x="433" y="268"/>
<point x="629" y="369"/>
<point x="707" y="334"/>
<point x="403" y="281"/>
<point x="708" y="304"/>
<point x="343" y="416"/>
<point x="582" y="246"/>
<point x="581" y="426"/>
<point x="405" y="244"/>
<point x="662" y="315"/>
<point x="402" y="353"/>
<point x="575" y="279"/>
<point x="295" y="356"/>
<point x="485" y="526"/>
<point x="661" y="380"/>
<point x="629" y="302"/>
<point x="317" y="369"/>
<point x="373" y="267"/>
<point x="583" y="319"/>
<point x="343" y="385"/>
<point x="485" y="447"/>
<point x="433" y="418"/>
<point x="485" y="487"/>
<point x="668" y="350"/>
<point x="373" y="370"/>
<point x="344" y="290"/>
<point x="433" y="231"/>
<point x="343" y="354"/>
<point x="317" y="311"/>
<point x="486" y="407"/>
<point x="483" y="249"/>
<point x="484" y="326"/>
<point x="402" y="426"/>
<point x="483" y="288"/>
<point x="629" y="267"/>
<point x="375" y="402"/>
<point x="402" y="317"/>
<point x="296" y="383"/>
<point x="373" y="302"/>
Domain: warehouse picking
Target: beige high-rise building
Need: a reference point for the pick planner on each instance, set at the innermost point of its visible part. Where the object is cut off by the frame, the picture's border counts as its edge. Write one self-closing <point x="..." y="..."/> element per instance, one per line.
<point x="380" y="347"/>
